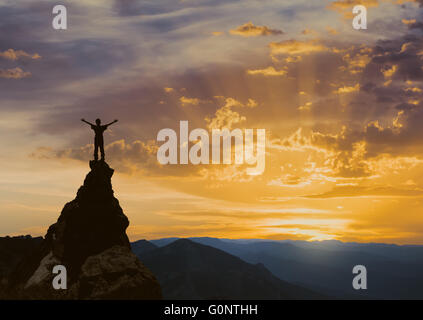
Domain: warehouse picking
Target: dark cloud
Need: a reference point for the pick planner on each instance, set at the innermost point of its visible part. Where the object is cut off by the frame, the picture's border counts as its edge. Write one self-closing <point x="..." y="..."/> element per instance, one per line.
<point x="145" y="7"/>
<point x="143" y="107"/>
<point x="134" y="157"/>
<point x="27" y="27"/>
<point x="395" y="139"/>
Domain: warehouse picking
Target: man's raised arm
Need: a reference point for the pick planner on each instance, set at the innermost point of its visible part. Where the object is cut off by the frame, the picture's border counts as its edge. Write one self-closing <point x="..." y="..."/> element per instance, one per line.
<point x="83" y="120"/>
<point x="111" y="123"/>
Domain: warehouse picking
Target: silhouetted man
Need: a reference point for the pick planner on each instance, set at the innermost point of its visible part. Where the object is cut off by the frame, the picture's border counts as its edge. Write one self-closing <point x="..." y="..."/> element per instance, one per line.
<point x="98" y="139"/>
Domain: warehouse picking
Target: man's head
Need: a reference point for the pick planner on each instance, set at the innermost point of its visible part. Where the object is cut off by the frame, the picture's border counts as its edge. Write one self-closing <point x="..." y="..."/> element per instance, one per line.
<point x="98" y="121"/>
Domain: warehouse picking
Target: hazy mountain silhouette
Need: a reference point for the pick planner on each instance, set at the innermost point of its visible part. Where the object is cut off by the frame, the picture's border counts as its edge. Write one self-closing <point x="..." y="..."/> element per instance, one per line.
<point x="142" y="246"/>
<point x="90" y="240"/>
<point x="189" y="270"/>
<point x="394" y="272"/>
<point x="12" y="251"/>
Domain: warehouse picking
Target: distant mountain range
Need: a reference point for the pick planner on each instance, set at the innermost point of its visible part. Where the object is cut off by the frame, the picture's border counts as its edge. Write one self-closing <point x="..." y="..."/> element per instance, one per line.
<point x="394" y="272"/>
<point x="190" y="270"/>
<point x="12" y="249"/>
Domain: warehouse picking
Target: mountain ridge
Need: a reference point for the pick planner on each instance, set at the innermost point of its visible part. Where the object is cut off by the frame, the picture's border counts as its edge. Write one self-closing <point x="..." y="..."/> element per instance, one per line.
<point x="202" y="272"/>
<point x="395" y="272"/>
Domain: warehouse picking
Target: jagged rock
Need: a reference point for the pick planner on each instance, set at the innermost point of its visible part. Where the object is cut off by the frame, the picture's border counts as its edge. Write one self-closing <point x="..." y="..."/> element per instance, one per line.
<point x="91" y="223"/>
<point x="90" y="240"/>
<point x="39" y="285"/>
<point x="115" y="273"/>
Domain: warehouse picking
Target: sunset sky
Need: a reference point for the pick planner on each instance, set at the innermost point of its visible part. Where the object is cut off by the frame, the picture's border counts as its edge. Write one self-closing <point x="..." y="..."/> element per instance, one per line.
<point x="342" y="109"/>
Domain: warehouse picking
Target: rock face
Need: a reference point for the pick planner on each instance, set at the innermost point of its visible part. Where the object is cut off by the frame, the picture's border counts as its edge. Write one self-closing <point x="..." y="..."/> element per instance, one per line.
<point x="89" y="239"/>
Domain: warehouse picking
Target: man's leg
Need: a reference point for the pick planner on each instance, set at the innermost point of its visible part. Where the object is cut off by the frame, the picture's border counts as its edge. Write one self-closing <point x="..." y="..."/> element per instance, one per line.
<point x="102" y="149"/>
<point x="95" y="150"/>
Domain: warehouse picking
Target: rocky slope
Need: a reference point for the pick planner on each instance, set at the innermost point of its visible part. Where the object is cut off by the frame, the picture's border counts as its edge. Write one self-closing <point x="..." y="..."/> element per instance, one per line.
<point x="90" y="240"/>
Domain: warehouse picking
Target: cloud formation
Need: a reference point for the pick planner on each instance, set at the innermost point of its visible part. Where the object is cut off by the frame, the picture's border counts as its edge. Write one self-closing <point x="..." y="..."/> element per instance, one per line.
<point x="269" y="71"/>
<point x="250" y="30"/>
<point x="12" y="54"/>
<point x="226" y="117"/>
<point x="15" y="73"/>
<point x="296" y="47"/>
<point x="348" y="89"/>
<point x="185" y="101"/>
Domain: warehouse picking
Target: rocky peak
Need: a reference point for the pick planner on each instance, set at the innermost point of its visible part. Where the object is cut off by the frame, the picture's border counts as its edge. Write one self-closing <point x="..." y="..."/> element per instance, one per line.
<point x="91" y="223"/>
<point x="89" y="239"/>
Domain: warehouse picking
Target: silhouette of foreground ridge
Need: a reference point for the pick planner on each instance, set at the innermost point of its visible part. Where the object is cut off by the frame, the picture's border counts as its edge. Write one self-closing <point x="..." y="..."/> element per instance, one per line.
<point x="89" y="239"/>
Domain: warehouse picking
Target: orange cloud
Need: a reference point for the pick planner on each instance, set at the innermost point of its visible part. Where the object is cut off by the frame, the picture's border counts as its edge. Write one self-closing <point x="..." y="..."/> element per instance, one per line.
<point x="12" y="54"/>
<point x="357" y="62"/>
<point x="389" y="72"/>
<point x="342" y="5"/>
<point x="407" y="22"/>
<point x="295" y="47"/>
<point x="269" y="71"/>
<point x="405" y="46"/>
<point x="225" y="117"/>
<point x="189" y="101"/>
<point x="250" y="30"/>
<point x="305" y="107"/>
<point x="348" y="89"/>
<point x="413" y="89"/>
<point x="15" y="73"/>
<point x="345" y="6"/>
